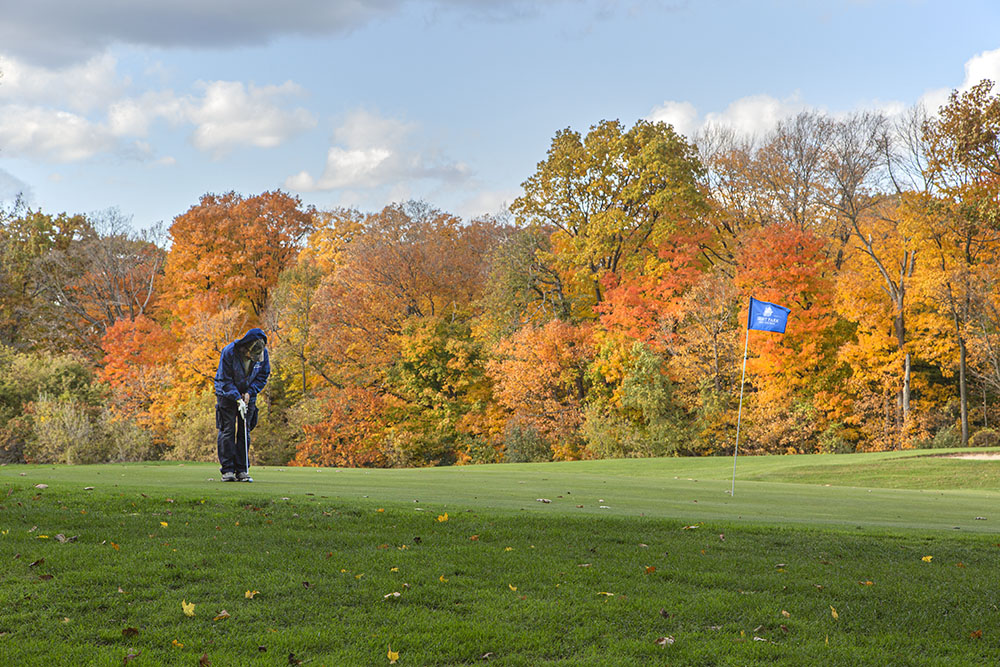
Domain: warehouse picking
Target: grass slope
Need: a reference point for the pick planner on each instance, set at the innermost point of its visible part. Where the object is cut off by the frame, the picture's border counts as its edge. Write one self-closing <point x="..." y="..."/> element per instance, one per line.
<point x="505" y="579"/>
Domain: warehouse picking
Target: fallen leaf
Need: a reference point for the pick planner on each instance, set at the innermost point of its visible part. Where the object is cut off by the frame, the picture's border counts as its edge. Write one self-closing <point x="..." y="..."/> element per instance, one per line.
<point x="443" y="517"/>
<point x="45" y="577"/>
<point x="651" y="569"/>
<point x="784" y="628"/>
<point x="164" y="524"/>
<point x="292" y="660"/>
<point x="927" y="559"/>
<point x="222" y="615"/>
<point x="584" y="565"/>
<point x="978" y="634"/>
<point x="833" y="612"/>
<point x="959" y="564"/>
<point x="380" y="510"/>
<point x="130" y="632"/>
<point x="203" y="661"/>
<point x="610" y="595"/>
<point x="509" y="549"/>
<point x="305" y="584"/>
<point x="177" y="644"/>
<point x="664" y="613"/>
<point x="512" y="587"/>
<point x="543" y="500"/>
<point x="689" y="527"/>
<point x="665" y="641"/>
<point x="442" y="579"/>
<point x="759" y="639"/>
<point x="249" y="594"/>
<point x="394" y="569"/>
<point x="866" y="583"/>
<point x="393" y="595"/>
<point x="393" y="655"/>
<point x="785" y="614"/>
<point x="37" y="562"/>
<point x="116" y="547"/>
<point x="474" y="538"/>
<point x="130" y="656"/>
<point x="120" y="590"/>
<point x="187" y="607"/>
<point x="41" y="486"/>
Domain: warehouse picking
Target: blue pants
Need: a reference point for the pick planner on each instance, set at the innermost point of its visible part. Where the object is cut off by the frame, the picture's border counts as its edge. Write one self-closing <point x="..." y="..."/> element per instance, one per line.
<point x="231" y="444"/>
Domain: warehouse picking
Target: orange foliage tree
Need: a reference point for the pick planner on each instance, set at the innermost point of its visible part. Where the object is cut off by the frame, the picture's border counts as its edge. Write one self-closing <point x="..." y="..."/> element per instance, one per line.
<point x="540" y="376"/>
<point x="795" y="376"/>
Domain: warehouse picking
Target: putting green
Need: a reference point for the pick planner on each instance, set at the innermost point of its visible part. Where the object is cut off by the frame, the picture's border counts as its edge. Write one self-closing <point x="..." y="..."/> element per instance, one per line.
<point x="835" y="491"/>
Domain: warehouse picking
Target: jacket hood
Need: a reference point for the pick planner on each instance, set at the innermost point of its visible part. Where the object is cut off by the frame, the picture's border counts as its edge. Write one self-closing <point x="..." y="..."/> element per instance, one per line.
<point x="250" y="336"/>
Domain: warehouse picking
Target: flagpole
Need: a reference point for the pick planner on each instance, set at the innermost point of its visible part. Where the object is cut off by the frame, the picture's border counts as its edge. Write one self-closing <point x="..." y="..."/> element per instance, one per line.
<point x="739" y="414"/>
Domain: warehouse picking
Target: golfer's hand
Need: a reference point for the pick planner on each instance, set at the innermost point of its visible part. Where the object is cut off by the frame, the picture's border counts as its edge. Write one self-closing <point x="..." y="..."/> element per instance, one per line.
<point x="241" y="406"/>
<point x="246" y="398"/>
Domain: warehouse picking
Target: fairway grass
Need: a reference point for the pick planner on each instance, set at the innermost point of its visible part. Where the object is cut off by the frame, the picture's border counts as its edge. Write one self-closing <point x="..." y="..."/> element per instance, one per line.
<point x="784" y="572"/>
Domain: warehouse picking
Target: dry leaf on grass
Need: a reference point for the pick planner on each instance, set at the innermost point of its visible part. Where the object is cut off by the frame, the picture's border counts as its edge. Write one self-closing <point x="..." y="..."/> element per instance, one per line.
<point x="188" y="607"/>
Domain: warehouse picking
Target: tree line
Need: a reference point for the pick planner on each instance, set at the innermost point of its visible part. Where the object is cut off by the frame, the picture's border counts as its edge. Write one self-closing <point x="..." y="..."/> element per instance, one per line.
<point x="602" y="315"/>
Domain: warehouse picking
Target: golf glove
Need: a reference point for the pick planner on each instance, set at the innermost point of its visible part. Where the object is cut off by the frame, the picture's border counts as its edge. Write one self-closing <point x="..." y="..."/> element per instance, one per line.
<point x="241" y="404"/>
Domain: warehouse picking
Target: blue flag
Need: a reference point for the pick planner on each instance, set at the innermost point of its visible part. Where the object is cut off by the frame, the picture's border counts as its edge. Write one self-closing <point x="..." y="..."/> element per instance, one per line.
<point x="764" y="316"/>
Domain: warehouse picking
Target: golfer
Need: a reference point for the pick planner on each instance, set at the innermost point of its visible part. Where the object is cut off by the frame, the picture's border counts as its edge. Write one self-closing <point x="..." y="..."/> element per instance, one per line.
<point x="243" y="371"/>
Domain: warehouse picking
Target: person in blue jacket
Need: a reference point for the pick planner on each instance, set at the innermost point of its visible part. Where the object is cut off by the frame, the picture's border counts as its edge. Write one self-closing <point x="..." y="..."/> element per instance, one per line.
<point x="244" y="367"/>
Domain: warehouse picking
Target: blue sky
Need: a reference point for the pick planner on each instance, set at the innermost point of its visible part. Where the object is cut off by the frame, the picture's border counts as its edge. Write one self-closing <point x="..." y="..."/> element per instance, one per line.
<point x="145" y="106"/>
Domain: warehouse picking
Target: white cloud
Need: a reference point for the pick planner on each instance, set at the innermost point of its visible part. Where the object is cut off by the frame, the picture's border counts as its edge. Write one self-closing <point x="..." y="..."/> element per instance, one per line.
<point x="57" y="136"/>
<point x="50" y="120"/>
<point x="80" y="87"/>
<point x="373" y="151"/>
<point x="753" y="115"/>
<point x="985" y="65"/>
<point x="232" y="114"/>
<point x="682" y="115"/>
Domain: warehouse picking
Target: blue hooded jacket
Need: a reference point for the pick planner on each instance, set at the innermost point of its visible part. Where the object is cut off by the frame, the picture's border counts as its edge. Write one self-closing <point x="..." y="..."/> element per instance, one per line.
<point x="231" y="382"/>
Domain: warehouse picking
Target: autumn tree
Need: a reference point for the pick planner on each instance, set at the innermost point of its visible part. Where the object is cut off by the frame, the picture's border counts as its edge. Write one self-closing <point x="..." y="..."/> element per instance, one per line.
<point x="608" y="198"/>
<point x="963" y="148"/>
<point x="26" y="236"/>
<point x="785" y="264"/>
<point x="408" y="260"/>
<point x="540" y="377"/>
<point x="234" y="248"/>
<point x="107" y="274"/>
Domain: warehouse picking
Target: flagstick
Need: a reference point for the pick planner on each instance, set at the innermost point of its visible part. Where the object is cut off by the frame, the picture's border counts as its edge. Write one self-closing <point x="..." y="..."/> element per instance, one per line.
<point x="739" y="415"/>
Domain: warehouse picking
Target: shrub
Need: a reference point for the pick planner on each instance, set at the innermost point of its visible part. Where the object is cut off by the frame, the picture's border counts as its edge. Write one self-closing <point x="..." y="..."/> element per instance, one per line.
<point x="524" y="444"/>
<point x="986" y="437"/>
<point x="62" y="433"/>
<point x="193" y="435"/>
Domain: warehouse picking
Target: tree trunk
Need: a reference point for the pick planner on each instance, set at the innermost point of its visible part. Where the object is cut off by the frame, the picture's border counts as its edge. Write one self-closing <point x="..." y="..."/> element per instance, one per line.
<point x="962" y="391"/>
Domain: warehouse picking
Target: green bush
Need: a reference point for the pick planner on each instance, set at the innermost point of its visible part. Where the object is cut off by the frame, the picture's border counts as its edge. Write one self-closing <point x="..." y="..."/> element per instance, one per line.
<point x="65" y="388"/>
<point x="986" y="437"/>
<point x="524" y="444"/>
<point x="647" y="423"/>
<point x="193" y="436"/>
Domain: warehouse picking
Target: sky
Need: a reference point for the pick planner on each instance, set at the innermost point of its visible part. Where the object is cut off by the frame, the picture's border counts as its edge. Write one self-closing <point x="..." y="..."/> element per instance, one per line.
<point x="145" y="106"/>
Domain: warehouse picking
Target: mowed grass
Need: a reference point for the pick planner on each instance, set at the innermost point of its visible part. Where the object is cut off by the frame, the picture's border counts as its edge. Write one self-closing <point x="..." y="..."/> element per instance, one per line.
<point x="626" y="553"/>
